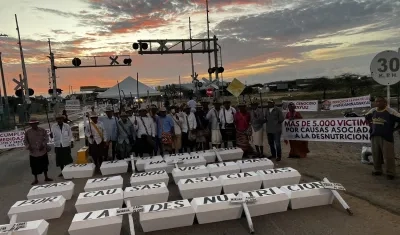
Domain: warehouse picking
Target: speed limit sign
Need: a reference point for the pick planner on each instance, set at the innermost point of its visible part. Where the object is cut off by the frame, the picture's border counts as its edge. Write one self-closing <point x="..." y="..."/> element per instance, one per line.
<point x="385" y="68"/>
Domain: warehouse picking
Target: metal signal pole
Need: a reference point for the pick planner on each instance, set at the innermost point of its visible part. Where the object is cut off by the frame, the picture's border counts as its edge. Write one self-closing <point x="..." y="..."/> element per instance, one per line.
<point x="54" y="80"/>
<point x="6" y="106"/>
<point x="191" y="46"/>
<point x="25" y="78"/>
<point x="208" y="37"/>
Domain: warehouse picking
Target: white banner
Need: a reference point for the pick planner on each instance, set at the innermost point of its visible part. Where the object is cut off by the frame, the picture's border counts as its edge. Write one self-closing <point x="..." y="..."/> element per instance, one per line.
<point x="328" y="130"/>
<point x="347" y="103"/>
<point x="301" y="105"/>
<point x="72" y="105"/>
<point x="15" y="139"/>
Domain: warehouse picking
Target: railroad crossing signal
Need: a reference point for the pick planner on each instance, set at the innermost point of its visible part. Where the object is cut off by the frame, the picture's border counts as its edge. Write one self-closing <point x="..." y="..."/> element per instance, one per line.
<point x="114" y="60"/>
<point x="19" y="84"/>
<point x="207" y="83"/>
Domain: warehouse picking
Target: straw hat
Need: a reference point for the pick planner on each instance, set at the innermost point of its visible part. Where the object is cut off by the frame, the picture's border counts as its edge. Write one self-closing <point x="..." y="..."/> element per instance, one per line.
<point x="93" y="115"/>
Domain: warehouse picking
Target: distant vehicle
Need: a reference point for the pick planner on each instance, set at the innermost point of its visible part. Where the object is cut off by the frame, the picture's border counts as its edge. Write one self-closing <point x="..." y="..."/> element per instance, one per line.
<point x="293" y="89"/>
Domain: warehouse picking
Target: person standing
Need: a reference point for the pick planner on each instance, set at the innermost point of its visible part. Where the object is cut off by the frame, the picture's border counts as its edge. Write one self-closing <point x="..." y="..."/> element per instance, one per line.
<point x="66" y="120"/>
<point x="165" y="131"/>
<point x="383" y="120"/>
<point x="63" y="142"/>
<point x="243" y="130"/>
<point x="188" y="129"/>
<point x="213" y="118"/>
<point x="178" y="122"/>
<point x="207" y="123"/>
<point x="275" y="119"/>
<point x="257" y="124"/>
<point x="201" y="129"/>
<point x="154" y="115"/>
<point x="298" y="148"/>
<point x="36" y="140"/>
<point x="228" y="131"/>
<point x="145" y="132"/>
<point x="126" y="136"/>
<point x="192" y="104"/>
<point x="110" y="124"/>
<point x="98" y="139"/>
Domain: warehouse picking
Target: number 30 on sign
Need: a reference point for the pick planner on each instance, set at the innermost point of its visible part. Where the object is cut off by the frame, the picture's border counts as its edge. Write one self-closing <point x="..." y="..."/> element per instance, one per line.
<point x="385" y="68"/>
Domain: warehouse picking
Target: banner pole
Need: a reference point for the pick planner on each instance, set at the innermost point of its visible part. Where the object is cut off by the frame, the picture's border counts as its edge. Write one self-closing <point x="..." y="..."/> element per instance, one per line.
<point x="340" y="199"/>
<point x="388" y="95"/>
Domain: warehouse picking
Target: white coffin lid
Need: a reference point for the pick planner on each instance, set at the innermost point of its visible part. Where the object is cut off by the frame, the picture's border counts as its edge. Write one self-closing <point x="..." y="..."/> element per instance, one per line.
<point x="36" y="227"/>
<point x="112" y="164"/>
<point x="279" y="177"/>
<point x="209" y="155"/>
<point x="308" y="195"/>
<point x="244" y="181"/>
<point x="46" y="190"/>
<point x="201" y="185"/>
<point x="169" y="157"/>
<point x="149" y="177"/>
<point x="144" y="190"/>
<point x="223" y="167"/>
<point x="189" y="172"/>
<point x="142" y="161"/>
<point x="255" y="164"/>
<point x="104" y="183"/>
<point x="158" y="165"/>
<point x="229" y="154"/>
<point x="104" y="220"/>
<point x="78" y="170"/>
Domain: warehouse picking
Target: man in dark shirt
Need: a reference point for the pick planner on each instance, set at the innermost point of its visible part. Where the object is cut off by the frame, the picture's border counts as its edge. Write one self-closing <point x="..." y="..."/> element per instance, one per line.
<point x="382" y="120"/>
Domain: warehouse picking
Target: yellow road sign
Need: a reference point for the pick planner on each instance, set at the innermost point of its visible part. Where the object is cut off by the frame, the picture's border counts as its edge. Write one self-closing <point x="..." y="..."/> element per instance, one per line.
<point x="236" y="87"/>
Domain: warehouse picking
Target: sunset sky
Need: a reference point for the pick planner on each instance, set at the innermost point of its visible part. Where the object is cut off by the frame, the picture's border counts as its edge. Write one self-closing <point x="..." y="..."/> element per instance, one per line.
<point x="262" y="40"/>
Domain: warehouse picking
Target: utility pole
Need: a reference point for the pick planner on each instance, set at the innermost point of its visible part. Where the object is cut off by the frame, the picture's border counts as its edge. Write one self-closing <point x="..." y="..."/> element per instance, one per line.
<point x="208" y="37"/>
<point x="25" y="77"/>
<point x="6" y="106"/>
<point x="216" y="63"/>
<point x="191" y="46"/>
<point x="54" y="80"/>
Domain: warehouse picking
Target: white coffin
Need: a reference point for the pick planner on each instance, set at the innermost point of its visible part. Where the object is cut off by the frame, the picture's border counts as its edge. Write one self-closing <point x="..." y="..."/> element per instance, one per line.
<point x="37" y="209"/>
<point x="245" y="181"/>
<point x="158" y="165"/>
<point x="142" y="161"/>
<point x="223" y="168"/>
<point x="37" y="227"/>
<point x="75" y="171"/>
<point x="255" y="164"/>
<point x="167" y="215"/>
<point x="104" y="183"/>
<point x="97" y="200"/>
<point x="146" y="194"/>
<point x="279" y="177"/>
<point x="216" y="208"/>
<point x="199" y="187"/>
<point x="66" y="189"/>
<point x="170" y="157"/>
<point x="96" y="223"/>
<point x="209" y="155"/>
<point x="230" y="154"/>
<point x="149" y="178"/>
<point x="114" y="167"/>
<point x="308" y="195"/>
<point x="193" y="161"/>
<point x="270" y="200"/>
<point x="189" y="172"/>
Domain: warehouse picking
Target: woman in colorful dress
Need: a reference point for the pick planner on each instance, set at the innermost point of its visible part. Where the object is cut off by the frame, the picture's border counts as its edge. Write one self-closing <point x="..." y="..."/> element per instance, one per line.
<point x="243" y="129"/>
<point x="298" y="148"/>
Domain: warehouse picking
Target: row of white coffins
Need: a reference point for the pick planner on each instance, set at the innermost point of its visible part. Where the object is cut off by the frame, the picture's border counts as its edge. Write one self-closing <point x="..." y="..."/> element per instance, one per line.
<point x="166" y="215"/>
<point x="153" y="163"/>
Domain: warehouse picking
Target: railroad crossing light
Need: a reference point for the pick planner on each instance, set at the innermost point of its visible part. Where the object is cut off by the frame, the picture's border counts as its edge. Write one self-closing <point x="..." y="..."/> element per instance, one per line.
<point x="128" y="61"/>
<point x="19" y="93"/>
<point x="221" y="69"/>
<point x="142" y="45"/>
<point x="211" y="70"/>
<point x="59" y="91"/>
<point x="31" y="92"/>
<point x="76" y="62"/>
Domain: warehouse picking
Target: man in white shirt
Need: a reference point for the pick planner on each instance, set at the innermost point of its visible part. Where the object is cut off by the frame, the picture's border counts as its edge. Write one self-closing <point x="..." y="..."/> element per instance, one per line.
<point x="189" y="126"/>
<point x="178" y="122"/>
<point x="145" y="132"/>
<point x="192" y="104"/>
<point x="63" y="142"/>
<point x="228" y="131"/>
<point x="98" y="139"/>
<point x="213" y="117"/>
<point x="110" y="124"/>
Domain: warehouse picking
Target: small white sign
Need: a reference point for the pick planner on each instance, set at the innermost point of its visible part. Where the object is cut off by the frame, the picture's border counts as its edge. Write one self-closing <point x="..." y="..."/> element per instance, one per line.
<point x="72" y="105"/>
<point x="333" y="186"/>
<point x="13" y="227"/>
<point x="130" y="210"/>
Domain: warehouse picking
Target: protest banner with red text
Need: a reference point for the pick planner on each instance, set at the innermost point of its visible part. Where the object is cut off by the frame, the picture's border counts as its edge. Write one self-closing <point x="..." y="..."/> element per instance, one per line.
<point x="15" y="139"/>
<point x="301" y="105"/>
<point x="328" y="130"/>
<point x="347" y="103"/>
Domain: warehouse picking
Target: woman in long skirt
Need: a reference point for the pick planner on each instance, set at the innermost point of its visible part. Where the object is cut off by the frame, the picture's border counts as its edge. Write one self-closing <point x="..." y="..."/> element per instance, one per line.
<point x="298" y="148"/>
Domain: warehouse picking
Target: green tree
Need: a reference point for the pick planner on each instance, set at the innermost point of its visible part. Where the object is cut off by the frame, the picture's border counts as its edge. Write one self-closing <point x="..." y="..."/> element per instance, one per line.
<point x="322" y="84"/>
<point x="354" y="83"/>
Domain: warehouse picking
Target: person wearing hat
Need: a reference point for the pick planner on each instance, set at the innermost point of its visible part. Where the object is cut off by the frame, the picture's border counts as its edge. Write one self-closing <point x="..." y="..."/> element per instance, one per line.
<point x="275" y="119"/>
<point x="207" y="123"/>
<point x="126" y="136"/>
<point x="165" y="131"/>
<point x="145" y="132"/>
<point x="226" y="116"/>
<point x="213" y="118"/>
<point x="243" y="129"/>
<point x="36" y="140"/>
<point x="189" y="125"/>
<point x="154" y="115"/>
<point x="257" y="124"/>
<point x="98" y="139"/>
<point x="110" y="124"/>
<point x="63" y="142"/>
